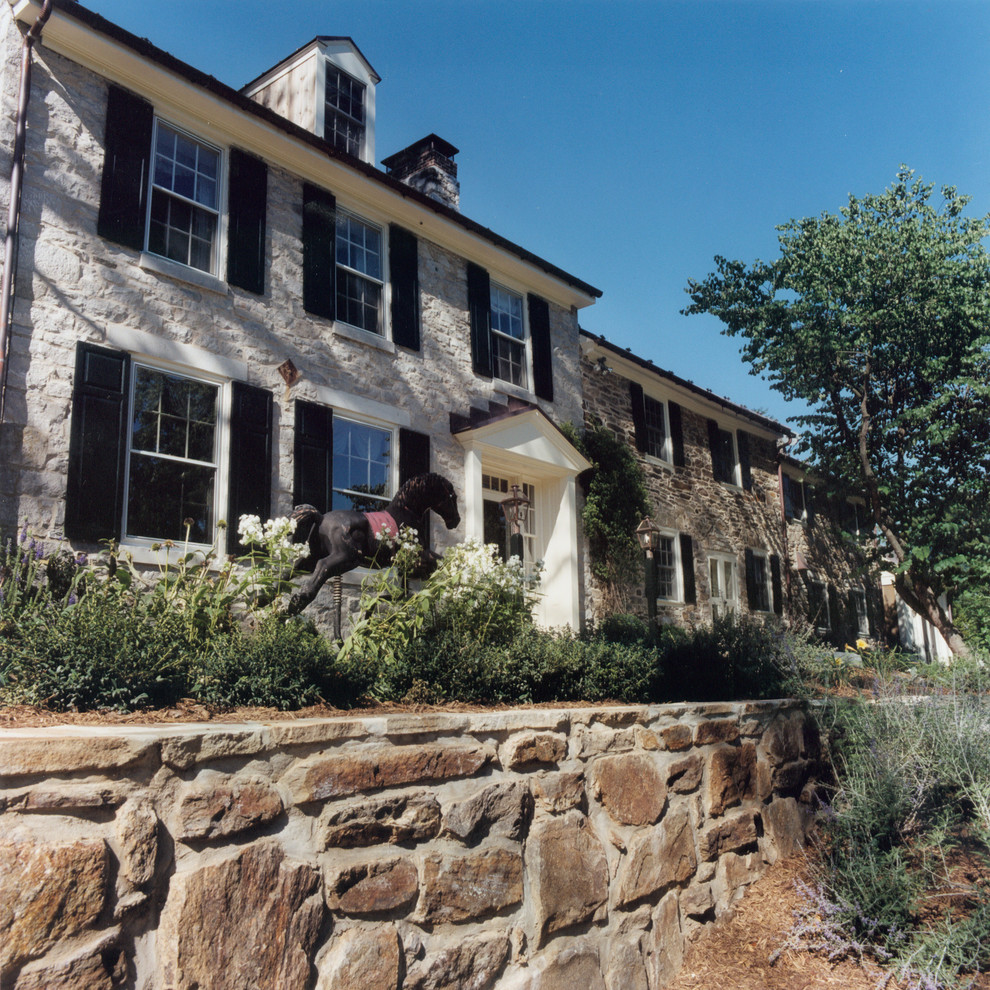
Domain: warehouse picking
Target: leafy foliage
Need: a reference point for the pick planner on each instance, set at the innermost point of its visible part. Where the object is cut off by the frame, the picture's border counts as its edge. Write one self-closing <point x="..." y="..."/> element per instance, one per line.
<point x="879" y="320"/>
<point x="615" y="501"/>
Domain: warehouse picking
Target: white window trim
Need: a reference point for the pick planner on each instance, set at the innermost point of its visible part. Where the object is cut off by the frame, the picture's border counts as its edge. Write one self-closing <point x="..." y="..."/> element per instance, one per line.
<point x="862" y="622"/>
<point x="393" y="467"/>
<point x="536" y="516"/>
<point x="140" y="546"/>
<point x="503" y="384"/>
<point x="736" y="481"/>
<point x="731" y="604"/>
<point x="667" y="460"/>
<point x="765" y="556"/>
<point x="678" y="597"/>
<point x="168" y="266"/>
<point x="382" y="340"/>
<point x="802" y="516"/>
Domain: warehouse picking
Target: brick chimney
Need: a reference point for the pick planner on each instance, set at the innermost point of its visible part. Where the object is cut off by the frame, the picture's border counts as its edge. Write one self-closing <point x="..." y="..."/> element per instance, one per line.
<point x="428" y="165"/>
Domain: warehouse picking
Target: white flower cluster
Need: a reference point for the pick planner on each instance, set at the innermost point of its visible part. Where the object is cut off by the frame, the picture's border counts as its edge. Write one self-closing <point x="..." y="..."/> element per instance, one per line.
<point x="275" y="535"/>
<point x="473" y="564"/>
<point x="407" y="539"/>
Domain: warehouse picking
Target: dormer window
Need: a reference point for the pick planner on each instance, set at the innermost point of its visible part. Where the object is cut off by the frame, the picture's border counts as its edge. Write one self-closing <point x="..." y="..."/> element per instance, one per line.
<point x="344" y="117"/>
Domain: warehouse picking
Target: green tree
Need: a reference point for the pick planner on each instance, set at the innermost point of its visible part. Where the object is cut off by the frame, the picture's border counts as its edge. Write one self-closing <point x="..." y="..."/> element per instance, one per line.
<point x="879" y="319"/>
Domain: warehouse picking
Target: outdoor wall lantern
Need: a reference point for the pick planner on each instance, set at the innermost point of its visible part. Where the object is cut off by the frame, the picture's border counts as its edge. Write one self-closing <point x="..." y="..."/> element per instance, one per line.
<point x="648" y="535"/>
<point x="515" y="508"/>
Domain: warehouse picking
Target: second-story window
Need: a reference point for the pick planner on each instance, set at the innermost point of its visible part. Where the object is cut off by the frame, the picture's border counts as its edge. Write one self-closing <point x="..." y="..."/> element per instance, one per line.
<point x="344" y="121"/>
<point x="360" y="273"/>
<point x="724" y="459"/>
<point x="656" y="429"/>
<point x="185" y="202"/>
<point x="508" y="336"/>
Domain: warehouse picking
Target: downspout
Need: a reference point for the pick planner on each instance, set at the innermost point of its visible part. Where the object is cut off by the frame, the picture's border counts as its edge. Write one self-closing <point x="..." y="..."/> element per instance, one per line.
<point x="786" y="558"/>
<point x="14" y="207"/>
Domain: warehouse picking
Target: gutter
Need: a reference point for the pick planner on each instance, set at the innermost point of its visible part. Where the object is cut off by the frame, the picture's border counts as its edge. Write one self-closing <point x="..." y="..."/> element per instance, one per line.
<point x="14" y="207"/>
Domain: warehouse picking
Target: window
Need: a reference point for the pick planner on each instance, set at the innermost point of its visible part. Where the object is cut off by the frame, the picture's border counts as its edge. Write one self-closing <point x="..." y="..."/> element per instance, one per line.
<point x="854" y="518"/>
<point x="758" y="580"/>
<point x="857" y="597"/>
<point x="152" y="446"/>
<point x="655" y="423"/>
<point x="508" y="336"/>
<point x="184" y="203"/>
<point x="667" y="567"/>
<point x="360" y="275"/>
<point x="795" y="506"/>
<point x="172" y="462"/>
<point x="344" y="120"/>
<point x="496" y="488"/>
<point x="362" y="465"/>
<point x="724" y="459"/>
<point x="161" y="193"/>
<point x="724" y="580"/>
<point x="819" y="614"/>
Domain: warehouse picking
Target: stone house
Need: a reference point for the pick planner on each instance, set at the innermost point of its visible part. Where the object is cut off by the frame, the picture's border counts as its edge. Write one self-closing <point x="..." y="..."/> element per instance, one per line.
<point x="222" y="306"/>
<point x="742" y="527"/>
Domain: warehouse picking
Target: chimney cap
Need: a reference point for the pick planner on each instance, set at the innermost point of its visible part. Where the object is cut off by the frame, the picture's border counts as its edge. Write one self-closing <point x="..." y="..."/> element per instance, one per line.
<point x="431" y="142"/>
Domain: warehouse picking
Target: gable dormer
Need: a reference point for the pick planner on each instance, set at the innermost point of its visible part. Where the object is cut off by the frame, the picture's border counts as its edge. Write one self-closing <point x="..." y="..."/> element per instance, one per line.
<point x="327" y="87"/>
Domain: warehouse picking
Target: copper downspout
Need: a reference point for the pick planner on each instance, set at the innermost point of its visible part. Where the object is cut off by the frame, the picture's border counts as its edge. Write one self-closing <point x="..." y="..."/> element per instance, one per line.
<point x="786" y="557"/>
<point x="14" y="207"/>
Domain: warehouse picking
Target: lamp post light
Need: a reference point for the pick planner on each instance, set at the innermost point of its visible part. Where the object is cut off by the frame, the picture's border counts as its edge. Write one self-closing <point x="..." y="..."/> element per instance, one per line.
<point x="515" y="508"/>
<point x="648" y="536"/>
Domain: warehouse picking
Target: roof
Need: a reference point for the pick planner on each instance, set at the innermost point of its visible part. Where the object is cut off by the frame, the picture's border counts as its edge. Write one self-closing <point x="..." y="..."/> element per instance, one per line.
<point x="320" y="39"/>
<point x="702" y="393"/>
<point x="146" y="50"/>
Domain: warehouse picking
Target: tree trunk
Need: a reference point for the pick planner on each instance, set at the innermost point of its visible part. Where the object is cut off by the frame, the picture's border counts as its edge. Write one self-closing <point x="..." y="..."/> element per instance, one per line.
<point x="924" y="601"/>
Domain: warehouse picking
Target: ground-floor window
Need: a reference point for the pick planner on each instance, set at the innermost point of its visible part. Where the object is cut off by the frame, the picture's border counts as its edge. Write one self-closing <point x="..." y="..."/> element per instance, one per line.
<point x="173" y="456"/>
<point x="818" y="607"/>
<point x="362" y="465"/>
<point x="723" y="577"/>
<point x="759" y="581"/>
<point x="497" y="488"/>
<point x="667" y="567"/>
<point x="858" y="598"/>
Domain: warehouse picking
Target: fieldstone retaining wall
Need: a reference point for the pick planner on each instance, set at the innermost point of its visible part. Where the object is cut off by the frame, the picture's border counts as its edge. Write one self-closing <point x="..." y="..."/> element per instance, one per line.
<point x="518" y="850"/>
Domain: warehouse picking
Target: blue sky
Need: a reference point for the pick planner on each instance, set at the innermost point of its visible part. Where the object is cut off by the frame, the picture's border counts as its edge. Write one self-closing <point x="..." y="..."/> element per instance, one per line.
<point x="630" y="141"/>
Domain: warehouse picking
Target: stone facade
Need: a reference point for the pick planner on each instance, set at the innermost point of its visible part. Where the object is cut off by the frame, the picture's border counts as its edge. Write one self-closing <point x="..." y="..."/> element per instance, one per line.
<point x="811" y="570"/>
<point x="498" y="851"/>
<point x="75" y="287"/>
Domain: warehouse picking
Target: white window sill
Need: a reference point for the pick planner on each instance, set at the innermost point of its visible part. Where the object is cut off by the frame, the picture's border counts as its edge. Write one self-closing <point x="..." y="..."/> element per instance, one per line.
<point x="363" y="337"/>
<point x="141" y="553"/>
<point x="182" y="273"/>
<point x="516" y="391"/>
<point x="659" y="462"/>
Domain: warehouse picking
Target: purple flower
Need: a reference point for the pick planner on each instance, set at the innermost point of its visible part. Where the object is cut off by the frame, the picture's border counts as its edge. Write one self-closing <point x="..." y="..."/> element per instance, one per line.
<point x="39" y="552"/>
<point x="82" y="559"/>
<point x="72" y="599"/>
<point x="24" y="535"/>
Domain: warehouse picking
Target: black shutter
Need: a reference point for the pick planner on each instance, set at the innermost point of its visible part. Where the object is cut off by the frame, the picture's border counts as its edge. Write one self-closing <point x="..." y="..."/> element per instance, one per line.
<point x="775" y="584"/>
<point x="312" y="457"/>
<point x="752" y="593"/>
<point x="638" y="403"/>
<point x="676" y="433"/>
<point x="687" y="567"/>
<point x="713" y="446"/>
<point x="480" y="313"/>
<point x="745" y="459"/>
<point x="126" y="162"/>
<point x="835" y="613"/>
<point x="247" y="207"/>
<point x="809" y="499"/>
<point x="319" y="251"/>
<point x="414" y="459"/>
<point x="250" y="481"/>
<point x="539" y="332"/>
<point x="94" y="496"/>
<point x="403" y="270"/>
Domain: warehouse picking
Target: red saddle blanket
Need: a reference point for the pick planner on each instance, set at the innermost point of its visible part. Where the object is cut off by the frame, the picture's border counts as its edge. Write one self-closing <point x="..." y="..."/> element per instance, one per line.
<point x="382" y="523"/>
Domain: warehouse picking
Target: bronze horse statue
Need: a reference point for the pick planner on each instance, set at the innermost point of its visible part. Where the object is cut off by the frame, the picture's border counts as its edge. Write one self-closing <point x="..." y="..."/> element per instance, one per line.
<point x="343" y="539"/>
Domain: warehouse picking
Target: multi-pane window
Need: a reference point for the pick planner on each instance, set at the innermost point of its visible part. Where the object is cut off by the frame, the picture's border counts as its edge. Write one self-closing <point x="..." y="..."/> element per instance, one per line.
<point x="360" y="273"/>
<point x="665" y="565"/>
<point x="760" y="583"/>
<point x="184" y="209"/>
<point x="362" y="465"/>
<point x="794" y="499"/>
<point x="858" y="597"/>
<point x="344" y="118"/>
<point x="723" y="455"/>
<point x="508" y="336"/>
<point x="818" y="610"/>
<point x="655" y="422"/>
<point x="724" y="579"/>
<point x="496" y="488"/>
<point x="172" y="463"/>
